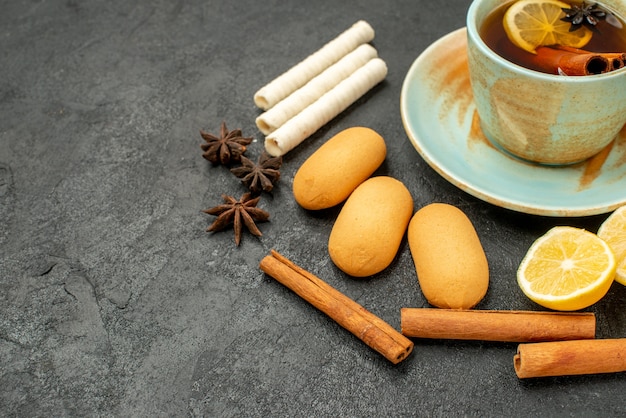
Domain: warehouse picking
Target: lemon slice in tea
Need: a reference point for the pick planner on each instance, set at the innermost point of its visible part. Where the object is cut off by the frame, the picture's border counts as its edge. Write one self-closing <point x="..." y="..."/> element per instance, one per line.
<point x="613" y="231"/>
<point x="567" y="269"/>
<point x="533" y="23"/>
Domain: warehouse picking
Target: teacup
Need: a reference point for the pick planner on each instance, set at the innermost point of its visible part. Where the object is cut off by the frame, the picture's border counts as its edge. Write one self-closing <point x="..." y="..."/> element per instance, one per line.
<point x="539" y="117"/>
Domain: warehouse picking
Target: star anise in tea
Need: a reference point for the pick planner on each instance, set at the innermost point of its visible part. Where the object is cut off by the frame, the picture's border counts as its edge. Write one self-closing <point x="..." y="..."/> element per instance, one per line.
<point x="260" y="176"/>
<point x="226" y="148"/>
<point x="238" y="213"/>
<point x="587" y="15"/>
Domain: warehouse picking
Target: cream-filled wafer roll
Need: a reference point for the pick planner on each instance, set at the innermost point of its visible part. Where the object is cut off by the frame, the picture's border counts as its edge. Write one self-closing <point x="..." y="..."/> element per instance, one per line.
<point x="297" y="76"/>
<point x="324" y="109"/>
<point x="291" y="105"/>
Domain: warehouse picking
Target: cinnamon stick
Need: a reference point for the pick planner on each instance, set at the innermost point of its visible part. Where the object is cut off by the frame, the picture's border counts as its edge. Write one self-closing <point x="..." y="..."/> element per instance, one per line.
<point x="366" y="326"/>
<point x="576" y="62"/>
<point x="491" y="325"/>
<point x="564" y="358"/>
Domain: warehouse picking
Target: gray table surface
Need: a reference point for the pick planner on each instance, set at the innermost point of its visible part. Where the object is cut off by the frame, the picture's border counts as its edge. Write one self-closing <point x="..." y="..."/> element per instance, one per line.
<point x="114" y="301"/>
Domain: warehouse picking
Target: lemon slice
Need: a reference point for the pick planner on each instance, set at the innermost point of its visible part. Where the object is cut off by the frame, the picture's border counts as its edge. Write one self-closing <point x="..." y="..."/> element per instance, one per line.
<point x="533" y="23"/>
<point x="613" y="231"/>
<point x="567" y="269"/>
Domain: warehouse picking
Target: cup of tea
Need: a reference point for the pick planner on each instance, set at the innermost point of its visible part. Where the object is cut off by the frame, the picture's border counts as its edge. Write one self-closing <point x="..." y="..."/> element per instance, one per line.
<point x="550" y="103"/>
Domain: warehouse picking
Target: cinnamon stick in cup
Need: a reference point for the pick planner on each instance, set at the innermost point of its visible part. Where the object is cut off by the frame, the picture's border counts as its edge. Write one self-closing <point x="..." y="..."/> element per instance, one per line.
<point x="490" y="325"/>
<point x="576" y="62"/>
<point x="564" y="358"/>
<point x="366" y="326"/>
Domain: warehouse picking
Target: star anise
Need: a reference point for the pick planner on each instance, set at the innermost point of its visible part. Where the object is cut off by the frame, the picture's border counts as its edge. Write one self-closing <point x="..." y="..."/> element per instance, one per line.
<point x="260" y="176"/>
<point x="587" y="15"/>
<point x="226" y="148"/>
<point x="238" y="213"/>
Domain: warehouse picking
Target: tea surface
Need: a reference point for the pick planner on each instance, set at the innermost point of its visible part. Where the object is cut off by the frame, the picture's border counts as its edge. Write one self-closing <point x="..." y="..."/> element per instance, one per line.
<point x="606" y="38"/>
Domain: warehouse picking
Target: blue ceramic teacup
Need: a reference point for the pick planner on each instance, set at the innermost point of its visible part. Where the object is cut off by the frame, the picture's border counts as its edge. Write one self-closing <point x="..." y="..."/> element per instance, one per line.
<point x="540" y="117"/>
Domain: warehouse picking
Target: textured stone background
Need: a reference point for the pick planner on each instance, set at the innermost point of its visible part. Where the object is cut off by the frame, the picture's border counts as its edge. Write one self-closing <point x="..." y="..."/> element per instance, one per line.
<point x="113" y="299"/>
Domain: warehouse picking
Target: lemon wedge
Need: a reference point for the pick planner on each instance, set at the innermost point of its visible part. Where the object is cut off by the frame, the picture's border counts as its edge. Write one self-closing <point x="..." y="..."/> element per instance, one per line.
<point x="613" y="231"/>
<point x="567" y="269"/>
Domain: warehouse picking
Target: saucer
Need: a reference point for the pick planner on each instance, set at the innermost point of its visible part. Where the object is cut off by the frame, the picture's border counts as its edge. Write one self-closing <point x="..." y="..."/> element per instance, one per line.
<point x="440" y="119"/>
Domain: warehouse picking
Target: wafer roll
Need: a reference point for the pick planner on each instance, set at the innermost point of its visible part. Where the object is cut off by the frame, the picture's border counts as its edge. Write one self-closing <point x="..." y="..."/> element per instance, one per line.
<point x="290" y="106"/>
<point x="335" y="101"/>
<point x="297" y="76"/>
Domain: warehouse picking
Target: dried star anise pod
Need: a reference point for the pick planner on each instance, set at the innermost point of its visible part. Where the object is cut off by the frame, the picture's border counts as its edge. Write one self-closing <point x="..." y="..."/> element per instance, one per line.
<point x="584" y="15"/>
<point x="226" y="148"/>
<point x="238" y="213"/>
<point x="260" y="176"/>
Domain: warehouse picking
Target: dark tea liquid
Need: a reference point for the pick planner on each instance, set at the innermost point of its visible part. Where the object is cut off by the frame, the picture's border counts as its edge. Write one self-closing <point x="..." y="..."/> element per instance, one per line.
<point x="608" y="38"/>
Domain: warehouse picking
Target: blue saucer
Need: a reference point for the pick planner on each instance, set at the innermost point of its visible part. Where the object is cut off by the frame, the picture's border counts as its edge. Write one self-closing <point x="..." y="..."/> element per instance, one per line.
<point x="440" y="119"/>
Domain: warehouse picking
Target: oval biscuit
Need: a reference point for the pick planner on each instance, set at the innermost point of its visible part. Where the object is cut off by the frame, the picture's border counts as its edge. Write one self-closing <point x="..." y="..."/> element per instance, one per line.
<point x="332" y="172"/>
<point x="369" y="229"/>
<point x="450" y="262"/>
